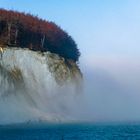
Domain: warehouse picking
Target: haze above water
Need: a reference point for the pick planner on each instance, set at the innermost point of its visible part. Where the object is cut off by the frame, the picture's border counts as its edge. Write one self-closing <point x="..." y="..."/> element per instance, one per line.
<point x="107" y="33"/>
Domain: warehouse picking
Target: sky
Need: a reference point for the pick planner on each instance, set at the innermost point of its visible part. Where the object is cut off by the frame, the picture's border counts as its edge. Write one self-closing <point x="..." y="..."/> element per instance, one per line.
<point x="99" y="27"/>
<point x="107" y="33"/>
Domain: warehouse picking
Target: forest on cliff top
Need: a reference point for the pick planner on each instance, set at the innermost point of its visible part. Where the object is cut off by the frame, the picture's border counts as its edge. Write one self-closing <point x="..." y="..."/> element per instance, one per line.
<point x="28" y="31"/>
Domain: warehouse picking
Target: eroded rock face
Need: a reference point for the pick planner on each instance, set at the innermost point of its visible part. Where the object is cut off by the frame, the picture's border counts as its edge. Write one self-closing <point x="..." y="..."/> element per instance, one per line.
<point x="32" y="82"/>
<point x="14" y="60"/>
<point x="63" y="70"/>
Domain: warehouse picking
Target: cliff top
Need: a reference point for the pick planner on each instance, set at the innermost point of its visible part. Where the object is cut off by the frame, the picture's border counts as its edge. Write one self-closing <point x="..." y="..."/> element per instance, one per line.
<point x="28" y="31"/>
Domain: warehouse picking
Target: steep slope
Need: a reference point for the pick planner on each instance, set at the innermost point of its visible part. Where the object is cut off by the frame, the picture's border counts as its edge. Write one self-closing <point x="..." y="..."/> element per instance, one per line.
<point x="35" y="85"/>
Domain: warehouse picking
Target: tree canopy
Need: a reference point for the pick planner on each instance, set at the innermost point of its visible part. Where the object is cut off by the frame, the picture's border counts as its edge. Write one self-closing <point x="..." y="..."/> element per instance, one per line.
<point x="28" y="31"/>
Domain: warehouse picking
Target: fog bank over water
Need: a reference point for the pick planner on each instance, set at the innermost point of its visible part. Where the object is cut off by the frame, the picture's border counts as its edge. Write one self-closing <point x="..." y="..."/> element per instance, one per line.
<point x="107" y="34"/>
<point x="112" y="89"/>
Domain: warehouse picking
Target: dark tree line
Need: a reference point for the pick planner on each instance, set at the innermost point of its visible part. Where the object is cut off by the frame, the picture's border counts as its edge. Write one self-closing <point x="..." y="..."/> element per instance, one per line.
<point x="27" y="31"/>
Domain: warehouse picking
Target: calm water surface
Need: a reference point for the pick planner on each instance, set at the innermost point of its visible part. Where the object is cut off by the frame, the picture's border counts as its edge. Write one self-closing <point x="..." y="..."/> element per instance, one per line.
<point x="70" y="132"/>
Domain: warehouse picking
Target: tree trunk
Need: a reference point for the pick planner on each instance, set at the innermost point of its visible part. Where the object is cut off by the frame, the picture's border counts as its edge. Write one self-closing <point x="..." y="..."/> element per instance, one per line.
<point x="42" y="41"/>
<point x="16" y="34"/>
<point x="9" y="33"/>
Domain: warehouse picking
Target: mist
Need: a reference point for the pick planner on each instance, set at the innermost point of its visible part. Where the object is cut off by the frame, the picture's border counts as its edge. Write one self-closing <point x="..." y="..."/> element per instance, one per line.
<point x="109" y="92"/>
<point x="107" y="34"/>
<point x="111" y="89"/>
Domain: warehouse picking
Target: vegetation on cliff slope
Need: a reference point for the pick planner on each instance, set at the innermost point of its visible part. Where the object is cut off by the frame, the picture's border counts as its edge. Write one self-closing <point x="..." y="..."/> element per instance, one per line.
<point x="27" y="31"/>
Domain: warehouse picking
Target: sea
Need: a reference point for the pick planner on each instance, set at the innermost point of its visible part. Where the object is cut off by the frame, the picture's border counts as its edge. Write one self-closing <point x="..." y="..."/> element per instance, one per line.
<point x="73" y="131"/>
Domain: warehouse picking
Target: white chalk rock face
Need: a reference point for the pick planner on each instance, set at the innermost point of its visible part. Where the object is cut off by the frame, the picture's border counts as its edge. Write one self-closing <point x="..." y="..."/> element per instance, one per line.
<point x="36" y="86"/>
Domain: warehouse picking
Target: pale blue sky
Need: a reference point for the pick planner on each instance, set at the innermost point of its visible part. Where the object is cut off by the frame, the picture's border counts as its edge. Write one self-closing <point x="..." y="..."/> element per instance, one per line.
<point x="100" y="27"/>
